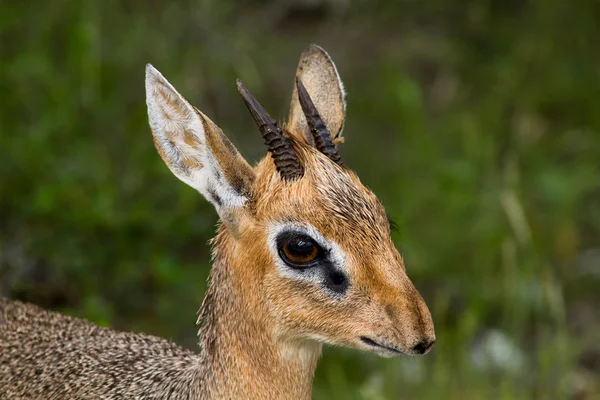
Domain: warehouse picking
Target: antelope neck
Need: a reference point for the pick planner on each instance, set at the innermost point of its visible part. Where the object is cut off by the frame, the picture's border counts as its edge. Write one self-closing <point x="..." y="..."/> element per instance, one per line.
<point x="238" y="343"/>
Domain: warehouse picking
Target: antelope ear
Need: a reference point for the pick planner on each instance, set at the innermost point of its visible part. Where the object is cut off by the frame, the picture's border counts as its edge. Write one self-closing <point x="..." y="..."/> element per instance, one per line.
<point x="194" y="148"/>
<point x="320" y="77"/>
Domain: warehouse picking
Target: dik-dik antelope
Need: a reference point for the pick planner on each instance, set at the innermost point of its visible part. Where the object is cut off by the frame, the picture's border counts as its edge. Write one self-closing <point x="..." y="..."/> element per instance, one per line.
<point x="303" y="256"/>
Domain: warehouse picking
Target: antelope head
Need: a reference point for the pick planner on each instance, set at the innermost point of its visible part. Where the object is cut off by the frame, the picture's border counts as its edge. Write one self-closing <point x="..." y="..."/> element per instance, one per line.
<point x="309" y="243"/>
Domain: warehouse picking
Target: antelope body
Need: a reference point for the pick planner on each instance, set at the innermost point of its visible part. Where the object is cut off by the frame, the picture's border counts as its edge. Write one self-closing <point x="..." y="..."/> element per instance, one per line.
<point x="303" y="256"/>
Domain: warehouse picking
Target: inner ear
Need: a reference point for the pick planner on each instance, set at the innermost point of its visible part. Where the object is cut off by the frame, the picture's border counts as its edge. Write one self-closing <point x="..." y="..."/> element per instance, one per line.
<point x="194" y="148"/>
<point x="319" y="75"/>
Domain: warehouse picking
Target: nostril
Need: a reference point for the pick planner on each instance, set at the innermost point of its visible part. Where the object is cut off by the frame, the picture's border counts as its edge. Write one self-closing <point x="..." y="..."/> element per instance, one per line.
<point x="423" y="346"/>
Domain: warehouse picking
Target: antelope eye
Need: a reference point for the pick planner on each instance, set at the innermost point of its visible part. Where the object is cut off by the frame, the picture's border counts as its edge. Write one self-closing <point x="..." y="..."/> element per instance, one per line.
<point x="298" y="250"/>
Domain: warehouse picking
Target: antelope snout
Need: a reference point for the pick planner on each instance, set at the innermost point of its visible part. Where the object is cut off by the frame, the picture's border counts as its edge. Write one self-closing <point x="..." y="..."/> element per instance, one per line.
<point x="405" y="328"/>
<point x="421" y="338"/>
<point x="424" y="345"/>
<point x="416" y="326"/>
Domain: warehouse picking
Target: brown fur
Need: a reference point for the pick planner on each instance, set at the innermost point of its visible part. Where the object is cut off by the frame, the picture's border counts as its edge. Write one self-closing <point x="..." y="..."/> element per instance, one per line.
<point x="260" y="332"/>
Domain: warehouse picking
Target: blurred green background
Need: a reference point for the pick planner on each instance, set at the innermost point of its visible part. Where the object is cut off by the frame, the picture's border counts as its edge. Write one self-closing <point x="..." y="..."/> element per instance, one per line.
<point x="476" y="122"/>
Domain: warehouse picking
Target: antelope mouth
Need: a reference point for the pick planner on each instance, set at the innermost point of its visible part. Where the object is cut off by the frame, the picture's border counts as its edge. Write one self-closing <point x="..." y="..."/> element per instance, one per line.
<point x="379" y="347"/>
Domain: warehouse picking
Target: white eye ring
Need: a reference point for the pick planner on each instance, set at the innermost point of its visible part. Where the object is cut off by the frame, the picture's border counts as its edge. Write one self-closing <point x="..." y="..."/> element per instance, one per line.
<point x="335" y="255"/>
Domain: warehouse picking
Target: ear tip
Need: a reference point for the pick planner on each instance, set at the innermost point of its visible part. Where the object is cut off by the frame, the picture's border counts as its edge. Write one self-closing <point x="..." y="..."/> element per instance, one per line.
<point x="152" y="75"/>
<point x="150" y="70"/>
<point x="314" y="46"/>
<point x="316" y="49"/>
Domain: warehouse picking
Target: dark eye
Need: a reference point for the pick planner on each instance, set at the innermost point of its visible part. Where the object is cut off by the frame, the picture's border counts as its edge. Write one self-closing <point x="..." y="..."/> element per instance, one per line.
<point x="298" y="250"/>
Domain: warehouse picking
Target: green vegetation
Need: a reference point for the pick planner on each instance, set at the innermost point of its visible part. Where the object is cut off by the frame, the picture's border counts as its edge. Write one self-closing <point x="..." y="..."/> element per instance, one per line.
<point x="476" y="122"/>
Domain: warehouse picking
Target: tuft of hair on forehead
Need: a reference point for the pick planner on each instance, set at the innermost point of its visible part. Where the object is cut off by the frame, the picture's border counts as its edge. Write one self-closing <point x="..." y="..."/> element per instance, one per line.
<point x="331" y="197"/>
<point x="349" y="202"/>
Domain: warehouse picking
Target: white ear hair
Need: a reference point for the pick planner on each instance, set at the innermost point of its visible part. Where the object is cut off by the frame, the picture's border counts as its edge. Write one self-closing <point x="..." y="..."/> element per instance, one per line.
<point x="194" y="148"/>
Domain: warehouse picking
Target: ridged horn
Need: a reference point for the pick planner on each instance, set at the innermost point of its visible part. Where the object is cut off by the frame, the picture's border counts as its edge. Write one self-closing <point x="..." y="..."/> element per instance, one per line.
<point x="316" y="125"/>
<point x="285" y="157"/>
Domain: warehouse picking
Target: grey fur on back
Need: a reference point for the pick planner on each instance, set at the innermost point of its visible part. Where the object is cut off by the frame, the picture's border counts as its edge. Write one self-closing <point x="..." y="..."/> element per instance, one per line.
<point x="46" y="355"/>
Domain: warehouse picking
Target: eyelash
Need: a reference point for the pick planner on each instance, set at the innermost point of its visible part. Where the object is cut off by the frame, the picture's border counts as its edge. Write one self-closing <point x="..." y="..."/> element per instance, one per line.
<point x="393" y="224"/>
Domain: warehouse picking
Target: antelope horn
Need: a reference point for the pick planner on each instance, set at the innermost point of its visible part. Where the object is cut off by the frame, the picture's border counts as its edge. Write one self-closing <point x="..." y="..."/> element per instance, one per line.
<point x="285" y="157"/>
<point x="317" y="126"/>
